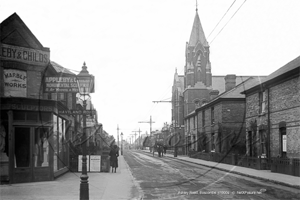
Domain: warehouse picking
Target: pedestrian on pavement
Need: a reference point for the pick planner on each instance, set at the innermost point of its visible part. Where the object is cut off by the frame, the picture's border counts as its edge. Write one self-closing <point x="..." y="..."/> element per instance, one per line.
<point x="165" y="149"/>
<point x="114" y="154"/>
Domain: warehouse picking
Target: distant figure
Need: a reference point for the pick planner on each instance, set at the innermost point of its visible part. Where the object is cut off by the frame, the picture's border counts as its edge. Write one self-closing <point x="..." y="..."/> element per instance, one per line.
<point x="114" y="154"/>
<point x="160" y="151"/>
<point x="165" y="150"/>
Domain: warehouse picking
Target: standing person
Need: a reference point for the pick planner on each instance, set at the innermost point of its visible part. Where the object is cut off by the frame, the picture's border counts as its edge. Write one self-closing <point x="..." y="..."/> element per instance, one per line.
<point x="165" y="149"/>
<point x="114" y="154"/>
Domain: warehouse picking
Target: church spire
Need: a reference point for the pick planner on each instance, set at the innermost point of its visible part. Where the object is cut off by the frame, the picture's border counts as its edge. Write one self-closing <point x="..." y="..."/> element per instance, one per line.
<point x="197" y="34"/>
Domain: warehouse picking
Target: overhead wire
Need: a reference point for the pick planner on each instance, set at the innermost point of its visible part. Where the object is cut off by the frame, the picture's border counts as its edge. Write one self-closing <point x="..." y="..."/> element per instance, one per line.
<point x="228" y="21"/>
<point x="221" y="18"/>
<point x="167" y="90"/>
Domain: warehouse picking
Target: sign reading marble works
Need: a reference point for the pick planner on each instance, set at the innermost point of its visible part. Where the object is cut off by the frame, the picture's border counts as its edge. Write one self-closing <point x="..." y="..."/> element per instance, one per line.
<point x="15" y="83"/>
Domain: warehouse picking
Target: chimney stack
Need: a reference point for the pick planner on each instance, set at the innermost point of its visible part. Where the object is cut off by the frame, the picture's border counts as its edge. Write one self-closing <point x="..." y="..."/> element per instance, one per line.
<point x="230" y="81"/>
<point x="213" y="94"/>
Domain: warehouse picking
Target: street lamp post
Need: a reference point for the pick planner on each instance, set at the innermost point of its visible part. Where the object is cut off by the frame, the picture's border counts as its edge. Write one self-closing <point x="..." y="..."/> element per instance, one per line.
<point x="121" y="143"/>
<point x="84" y="84"/>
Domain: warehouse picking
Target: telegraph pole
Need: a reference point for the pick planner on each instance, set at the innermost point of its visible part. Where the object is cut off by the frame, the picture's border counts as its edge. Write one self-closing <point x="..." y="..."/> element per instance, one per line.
<point x="118" y="134"/>
<point x="139" y="136"/>
<point x="135" y="137"/>
<point x="150" y="122"/>
<point x="176" y="121"/>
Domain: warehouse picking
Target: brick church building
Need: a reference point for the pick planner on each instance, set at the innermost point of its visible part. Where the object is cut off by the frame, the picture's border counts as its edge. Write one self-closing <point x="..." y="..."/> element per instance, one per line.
<point x="197" y="87"/>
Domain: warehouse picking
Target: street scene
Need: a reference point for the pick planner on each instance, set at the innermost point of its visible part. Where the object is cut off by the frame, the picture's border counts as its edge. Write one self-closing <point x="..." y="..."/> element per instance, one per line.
<point x="169" y="178"/>
<point x="168" y="99"/>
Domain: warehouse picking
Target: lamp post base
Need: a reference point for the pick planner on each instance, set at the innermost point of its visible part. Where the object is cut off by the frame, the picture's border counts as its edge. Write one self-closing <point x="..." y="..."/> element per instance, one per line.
<point x="84" y="187"/>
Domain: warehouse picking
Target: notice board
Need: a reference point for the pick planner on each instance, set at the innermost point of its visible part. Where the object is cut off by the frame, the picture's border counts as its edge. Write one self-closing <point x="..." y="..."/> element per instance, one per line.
<point x="95" y="163"/>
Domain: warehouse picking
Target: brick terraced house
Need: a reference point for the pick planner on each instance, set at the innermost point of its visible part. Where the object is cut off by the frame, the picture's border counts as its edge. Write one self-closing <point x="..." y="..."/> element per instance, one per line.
<point x="273" y="119"/>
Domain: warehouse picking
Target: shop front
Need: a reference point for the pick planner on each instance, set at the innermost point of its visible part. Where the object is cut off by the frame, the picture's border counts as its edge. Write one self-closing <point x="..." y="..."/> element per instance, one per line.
<point x="35" y="147"/>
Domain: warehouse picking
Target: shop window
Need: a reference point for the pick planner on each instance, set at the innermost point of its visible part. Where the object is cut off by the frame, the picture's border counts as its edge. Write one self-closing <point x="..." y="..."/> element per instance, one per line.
<point x="60" y="140"/>
<point x="262" y="102"/>
<point x="41" y="147"/>
<point x="55" y="143"/>
<point x="4" y="144"/>
<point x="65" y="144"/>
<point x="22" y="147"/>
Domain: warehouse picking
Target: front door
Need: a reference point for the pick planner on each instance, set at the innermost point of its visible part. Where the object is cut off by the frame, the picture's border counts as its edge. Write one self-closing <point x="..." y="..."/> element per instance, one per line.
<point x="31" y="154"/>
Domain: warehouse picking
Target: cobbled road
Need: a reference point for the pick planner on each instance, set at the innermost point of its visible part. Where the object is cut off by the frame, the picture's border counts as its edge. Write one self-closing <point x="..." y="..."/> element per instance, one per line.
<point x="168" y="178"/>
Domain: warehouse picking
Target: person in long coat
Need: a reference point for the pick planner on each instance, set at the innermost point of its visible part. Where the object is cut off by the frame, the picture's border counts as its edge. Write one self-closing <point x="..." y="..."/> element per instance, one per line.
<point x="114" y="154"/>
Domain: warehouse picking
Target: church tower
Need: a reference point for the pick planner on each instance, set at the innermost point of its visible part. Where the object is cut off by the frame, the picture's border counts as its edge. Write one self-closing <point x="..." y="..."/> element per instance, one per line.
<point x="197" y="70"/>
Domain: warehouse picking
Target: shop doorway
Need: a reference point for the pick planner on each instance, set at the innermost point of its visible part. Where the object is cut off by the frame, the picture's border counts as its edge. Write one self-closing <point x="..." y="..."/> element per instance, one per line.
<point x="31" y="150"/>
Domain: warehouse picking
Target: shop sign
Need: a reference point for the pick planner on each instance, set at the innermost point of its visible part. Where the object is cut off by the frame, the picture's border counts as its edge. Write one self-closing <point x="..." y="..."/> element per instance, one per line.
<point x="56" y="84"/>
<point x="77" y="112"/>
<point x="15" y="83"/>
<point x="25" y="55"/>
<point x="90" y="122"/>
<point x="26" y="107"/>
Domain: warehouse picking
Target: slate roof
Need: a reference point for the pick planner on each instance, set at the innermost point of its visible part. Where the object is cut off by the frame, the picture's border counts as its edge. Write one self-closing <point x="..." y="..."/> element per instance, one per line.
<point x="218" y="82"/>
<point x="60" y="69"/>
<point x="14" y="25"/>
<point x="288" y="68"/>
<point x="236" y="91"/>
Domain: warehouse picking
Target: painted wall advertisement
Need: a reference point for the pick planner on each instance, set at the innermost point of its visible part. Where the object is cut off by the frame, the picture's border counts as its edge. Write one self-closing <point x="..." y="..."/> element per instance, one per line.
<point x="25" y="55"/>
<point x="15" y="83"/>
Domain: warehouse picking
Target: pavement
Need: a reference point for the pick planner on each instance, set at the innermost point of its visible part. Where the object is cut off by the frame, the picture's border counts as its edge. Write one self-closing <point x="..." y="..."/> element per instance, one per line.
<point x="266" y="175"/>
<point x="121" y="185"/>
<point x="102" y="185"/>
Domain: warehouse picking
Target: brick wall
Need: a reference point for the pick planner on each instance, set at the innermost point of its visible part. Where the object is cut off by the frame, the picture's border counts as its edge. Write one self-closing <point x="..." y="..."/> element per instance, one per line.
<point x="190" y="95"/>
<point x="285" y="107"/>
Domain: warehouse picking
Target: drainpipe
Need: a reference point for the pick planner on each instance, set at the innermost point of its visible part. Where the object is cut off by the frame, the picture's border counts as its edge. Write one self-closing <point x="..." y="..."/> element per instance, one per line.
<point x="269" y="128"/>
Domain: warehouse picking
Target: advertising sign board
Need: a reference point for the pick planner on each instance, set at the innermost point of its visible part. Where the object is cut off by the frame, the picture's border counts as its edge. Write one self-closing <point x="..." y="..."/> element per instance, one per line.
<point x="95" y="161"/>
<point x="77" y="112"/>
<point x="15" y="83"/>
<point x="54" y="84"/>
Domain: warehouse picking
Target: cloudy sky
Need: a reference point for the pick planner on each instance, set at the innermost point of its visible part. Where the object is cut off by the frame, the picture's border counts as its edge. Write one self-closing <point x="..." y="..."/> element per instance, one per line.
<point x="133" y="47"/>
